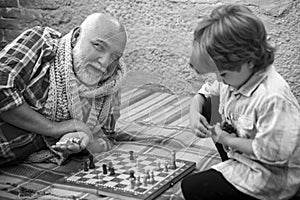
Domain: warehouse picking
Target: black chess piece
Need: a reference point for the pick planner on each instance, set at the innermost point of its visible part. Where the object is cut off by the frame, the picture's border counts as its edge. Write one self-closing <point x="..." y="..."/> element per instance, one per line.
<point x="104" y="168"/>
<point x="112" y="171"/>
<point x="85" y="166"/>
<point x="131" y="157"/>
<point x="131" y="174"/>
<point x="92" y="164"/>
<point x="225" y="126"/>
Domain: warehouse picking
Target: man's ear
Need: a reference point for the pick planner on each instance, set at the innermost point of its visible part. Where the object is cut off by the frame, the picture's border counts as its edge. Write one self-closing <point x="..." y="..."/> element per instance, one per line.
<point x="75" y="36"/>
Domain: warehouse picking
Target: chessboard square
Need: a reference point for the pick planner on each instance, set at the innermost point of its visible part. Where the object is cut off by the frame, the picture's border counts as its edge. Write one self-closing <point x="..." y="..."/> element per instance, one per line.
<point x="80" y="174"/>
<point x="119" y="185"/>
<point x="123" y="176"/>
<point x="150" y="159"/>
<point x="146" y="162"/>
<point x="118" y="180"/>
<point x="126" y="169"/>
<point x="96" y="172"/>
<point x="111" y="184"/>
<point x="122" y="163"/>
<point x="162" y="174"/>
<point x="141" y="190"/>
<point x="108" y="178"/>
<point x="90" y="176"/>
<point x="83" y="179"/>
<point x="92" y="181"/>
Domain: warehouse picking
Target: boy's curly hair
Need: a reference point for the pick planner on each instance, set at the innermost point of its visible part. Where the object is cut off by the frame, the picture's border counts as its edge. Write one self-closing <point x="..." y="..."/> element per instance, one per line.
<point x="232" y="35"/>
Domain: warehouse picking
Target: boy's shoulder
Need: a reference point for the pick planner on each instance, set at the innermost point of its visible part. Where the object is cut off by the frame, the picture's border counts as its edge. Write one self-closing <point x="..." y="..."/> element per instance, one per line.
<point x="275" y="88"/>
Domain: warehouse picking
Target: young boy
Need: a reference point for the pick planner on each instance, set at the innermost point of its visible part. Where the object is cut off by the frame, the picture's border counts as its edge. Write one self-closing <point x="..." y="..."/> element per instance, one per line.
<point x="263" y="154"/>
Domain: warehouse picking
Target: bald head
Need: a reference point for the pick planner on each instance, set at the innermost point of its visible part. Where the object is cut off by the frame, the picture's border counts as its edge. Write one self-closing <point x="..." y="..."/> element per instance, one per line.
<point x="99" y="43"/>
<point x="105" y="25"/>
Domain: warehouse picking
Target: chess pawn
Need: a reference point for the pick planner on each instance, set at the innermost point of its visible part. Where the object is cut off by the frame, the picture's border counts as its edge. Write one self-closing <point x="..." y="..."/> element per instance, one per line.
<point x="158" y="167"/>
<point x="131" y="157"/>
<point x="166" y="167"/>
<point x="132" y="183"/>
<point x="92" y="164"/>
<point x="152" y="180"/>
<point x="85" y="166"/>
<point x="173" y="161"/>
<point x="138" y="181"/>
<point x="145" y="180"/>
<point x="104" y="168"/>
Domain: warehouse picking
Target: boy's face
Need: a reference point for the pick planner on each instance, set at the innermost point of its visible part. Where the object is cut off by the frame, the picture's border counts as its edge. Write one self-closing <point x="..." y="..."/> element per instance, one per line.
<point x="203" y="63"/>
<point x="236" y="78"/>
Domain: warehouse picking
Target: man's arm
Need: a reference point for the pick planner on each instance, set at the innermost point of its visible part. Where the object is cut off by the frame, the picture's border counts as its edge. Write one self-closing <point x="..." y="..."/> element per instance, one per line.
<point x="26" y="118"/>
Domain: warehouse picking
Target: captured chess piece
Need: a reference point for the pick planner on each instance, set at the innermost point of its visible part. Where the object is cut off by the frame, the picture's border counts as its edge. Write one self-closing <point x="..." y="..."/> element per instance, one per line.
<point x="85" y="166"/>
<point x="225" y="126"/>
<point x="173" y="161"/>
<point x="92" y="164"/>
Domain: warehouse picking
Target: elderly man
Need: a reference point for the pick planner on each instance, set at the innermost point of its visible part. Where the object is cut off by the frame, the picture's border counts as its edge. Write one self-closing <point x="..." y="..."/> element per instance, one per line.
<point x="59" y="95"/>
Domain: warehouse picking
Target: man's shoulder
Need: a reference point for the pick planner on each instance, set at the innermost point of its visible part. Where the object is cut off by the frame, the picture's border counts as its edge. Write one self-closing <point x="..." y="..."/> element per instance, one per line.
<point x="42" y="32"/>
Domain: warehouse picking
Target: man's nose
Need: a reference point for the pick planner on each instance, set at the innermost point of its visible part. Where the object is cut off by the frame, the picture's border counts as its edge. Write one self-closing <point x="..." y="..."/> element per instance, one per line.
<point x="104" y="61"/>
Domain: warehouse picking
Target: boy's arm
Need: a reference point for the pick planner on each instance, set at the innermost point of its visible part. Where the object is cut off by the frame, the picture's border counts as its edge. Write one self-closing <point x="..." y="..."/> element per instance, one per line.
<point x="198" y="122"/>
<point x="243" y="145"/>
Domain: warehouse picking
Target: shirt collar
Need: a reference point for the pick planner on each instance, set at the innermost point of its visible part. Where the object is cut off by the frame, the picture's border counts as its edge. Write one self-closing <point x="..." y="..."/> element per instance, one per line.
<point x="248" y="88"/>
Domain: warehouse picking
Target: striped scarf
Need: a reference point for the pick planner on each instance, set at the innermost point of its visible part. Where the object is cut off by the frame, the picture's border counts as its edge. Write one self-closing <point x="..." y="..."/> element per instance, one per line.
<point x="68" y="98"/>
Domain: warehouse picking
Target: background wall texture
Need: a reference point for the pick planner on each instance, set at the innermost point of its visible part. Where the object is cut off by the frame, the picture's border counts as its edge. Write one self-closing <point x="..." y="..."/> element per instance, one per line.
<point x="160" y="33"/>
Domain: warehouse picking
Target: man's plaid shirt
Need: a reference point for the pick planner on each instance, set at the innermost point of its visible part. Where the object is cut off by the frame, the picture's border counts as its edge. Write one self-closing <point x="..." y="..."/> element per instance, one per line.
<point x="24" y="76"/>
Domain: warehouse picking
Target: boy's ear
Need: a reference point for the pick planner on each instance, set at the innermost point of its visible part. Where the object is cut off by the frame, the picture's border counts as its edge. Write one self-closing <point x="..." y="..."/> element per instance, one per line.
<point x="250" y="64"/>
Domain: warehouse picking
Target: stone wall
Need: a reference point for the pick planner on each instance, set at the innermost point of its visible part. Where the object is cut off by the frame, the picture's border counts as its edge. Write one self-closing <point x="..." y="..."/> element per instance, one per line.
<point x="160" y="33"/>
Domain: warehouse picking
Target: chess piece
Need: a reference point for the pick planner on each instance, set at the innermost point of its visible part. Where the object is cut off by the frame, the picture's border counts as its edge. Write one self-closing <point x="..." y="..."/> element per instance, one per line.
<point x="145" y="180"/>
<point x="109" y="165"/>
<point x="132" y="183"/>
<point x="158" y="167"/>
<point x="152" y="180"/>
<point x="131" y="157"/>
<point x="85" y="166"/>
<point x="173" y="161"/>
<point x="112" y="171"/>
<point x="92" y="164"/>
<point x="166" y="167"/>
<point x="138" y="181"/>
<point x="104" y="168"/>
<point x="148" y="174"/>
<point x="131" y="174"/>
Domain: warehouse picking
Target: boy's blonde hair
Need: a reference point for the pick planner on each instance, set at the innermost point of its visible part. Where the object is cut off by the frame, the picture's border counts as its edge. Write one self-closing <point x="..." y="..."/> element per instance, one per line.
<point x="232" y="35"/>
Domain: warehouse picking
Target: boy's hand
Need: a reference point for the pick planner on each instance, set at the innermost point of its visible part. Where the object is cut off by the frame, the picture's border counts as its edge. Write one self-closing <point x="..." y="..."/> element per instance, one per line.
<point x="72" y="142"/>
<point x="221" y="136"/>
<point x="199" y="125"/>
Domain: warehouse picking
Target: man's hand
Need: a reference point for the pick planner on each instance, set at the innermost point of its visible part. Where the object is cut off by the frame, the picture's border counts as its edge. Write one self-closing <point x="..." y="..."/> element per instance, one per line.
<point x="71" y="125"/>
<point x="72" y="142"/>
<point x="199" y="125"/>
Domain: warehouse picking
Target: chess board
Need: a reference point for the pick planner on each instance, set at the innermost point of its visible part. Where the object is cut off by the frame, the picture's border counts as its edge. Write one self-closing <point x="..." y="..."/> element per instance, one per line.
<point x="119" y="185"/>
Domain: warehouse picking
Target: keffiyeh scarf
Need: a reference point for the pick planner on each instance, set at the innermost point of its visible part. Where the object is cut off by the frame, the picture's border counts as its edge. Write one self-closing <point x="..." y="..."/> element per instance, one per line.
<point x="68" y="98"/>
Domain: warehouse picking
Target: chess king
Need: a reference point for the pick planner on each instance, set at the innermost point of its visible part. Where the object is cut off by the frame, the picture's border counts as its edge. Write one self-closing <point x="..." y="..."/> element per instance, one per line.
<point x="60" y="94"/>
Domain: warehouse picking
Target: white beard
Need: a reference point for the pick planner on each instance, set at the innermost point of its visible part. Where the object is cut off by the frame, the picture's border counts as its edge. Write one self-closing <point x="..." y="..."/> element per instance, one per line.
<point x="84" y="71"/>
